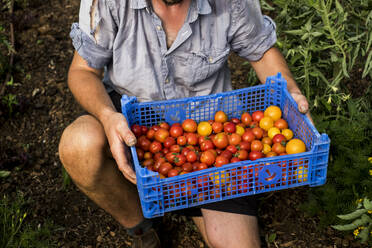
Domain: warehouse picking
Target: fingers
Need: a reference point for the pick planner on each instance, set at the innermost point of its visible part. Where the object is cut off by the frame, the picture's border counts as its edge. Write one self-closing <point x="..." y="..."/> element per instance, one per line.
<point x="303" y="105"/>
<point x="118" y="153"/>
<point x="127" y="135"/>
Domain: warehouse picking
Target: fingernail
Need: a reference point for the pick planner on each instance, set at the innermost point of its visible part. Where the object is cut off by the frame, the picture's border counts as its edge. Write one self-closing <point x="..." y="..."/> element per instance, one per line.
<point x="131" y="141"/>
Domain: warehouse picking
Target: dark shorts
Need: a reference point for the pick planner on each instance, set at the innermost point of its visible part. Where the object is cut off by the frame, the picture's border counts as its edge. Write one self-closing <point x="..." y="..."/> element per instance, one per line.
<point x="247" y="205"/>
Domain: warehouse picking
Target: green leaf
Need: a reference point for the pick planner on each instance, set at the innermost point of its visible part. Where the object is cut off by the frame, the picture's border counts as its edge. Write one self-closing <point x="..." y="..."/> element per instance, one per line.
<point x="339" y="7"/>
<point x="352" y="215"/>
<point x="364" y="234"/>
<point x="4" y="173"/>
<point x="356" y="223"/>
<point x="368" y="65"/>
<point x="295" y="32"/>
<point x="272" y="237"/>
<point x="367" y="204"/>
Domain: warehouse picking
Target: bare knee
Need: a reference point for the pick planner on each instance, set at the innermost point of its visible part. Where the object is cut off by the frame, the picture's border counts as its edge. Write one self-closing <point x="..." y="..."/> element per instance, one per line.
<point x="81" y="149"/>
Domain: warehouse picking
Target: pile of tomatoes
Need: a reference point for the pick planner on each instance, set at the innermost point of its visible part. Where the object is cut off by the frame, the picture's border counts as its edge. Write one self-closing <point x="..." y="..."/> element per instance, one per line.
<point x="189" y="146"/>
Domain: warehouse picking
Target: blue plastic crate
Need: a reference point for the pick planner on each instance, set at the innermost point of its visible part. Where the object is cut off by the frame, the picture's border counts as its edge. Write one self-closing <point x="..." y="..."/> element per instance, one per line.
<point x="237" y="179"/>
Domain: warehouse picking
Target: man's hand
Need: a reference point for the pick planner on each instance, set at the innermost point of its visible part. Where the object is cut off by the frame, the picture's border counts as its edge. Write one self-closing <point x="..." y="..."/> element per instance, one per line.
<point x="119" y="137"/>
<point x="302" y="104"/>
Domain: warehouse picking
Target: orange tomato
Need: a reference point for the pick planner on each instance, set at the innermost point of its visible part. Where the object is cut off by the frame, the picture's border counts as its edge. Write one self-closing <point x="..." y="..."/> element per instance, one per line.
<point x="295" y="146"/>
<point x="220" y="116"/>
<point x="204" y="128"/>
<point x="274" y="112"/>
<point x="266" y="123"/>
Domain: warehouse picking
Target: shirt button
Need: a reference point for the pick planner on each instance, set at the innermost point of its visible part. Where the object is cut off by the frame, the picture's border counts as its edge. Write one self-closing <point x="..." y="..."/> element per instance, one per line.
<point x="158" y="27"/>
<point x="166" y="80"/>
<point x="210" y="59"/>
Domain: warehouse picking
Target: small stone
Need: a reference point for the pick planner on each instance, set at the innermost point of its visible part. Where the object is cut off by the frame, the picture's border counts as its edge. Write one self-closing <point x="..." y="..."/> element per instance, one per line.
<point x="99" y="238"/>
<point x="112" y="234"/>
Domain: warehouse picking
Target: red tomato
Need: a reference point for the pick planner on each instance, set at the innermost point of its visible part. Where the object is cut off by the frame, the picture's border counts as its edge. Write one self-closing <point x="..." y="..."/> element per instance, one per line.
<point x="256" y="146"/>
<point x="158" y="155"/>
<point x="144" y="129"/>
<point x="155" y="147"/>
<point x="147" y="155"/>
<point x="195" y="166"/>
<point x="257" y="115"/>
<point x="165" y="168"/>
<point x="207" y="157"/>
<point x="148" y="163"/>
<point x="235" y="120"/>
<point x="187" y="167"/>
<point x="155" y="127"/>
<point x="164" y="125"/>
<point x="217" y="127"/>
<point x="150" y="134"/>
<point x="220" y="116"/>
<point x="234" y="139"/>
<point x="144" y="143"/>
<point x="220" y="140"/>
<point x="192" y="138"/>
<point x="191" y="156"/>
<point x="227" y="154"/>
<point x="170" y="156"/>
<point x="189" y="125"/>
<point x="245" y="145"/>
<point x="267" y="140"/>
<point x="255" y="155"/>
<point x="206" y="145"/>
<point x="281" y="124"/>
<point x="172" y="173"/>
<point x="181" y="140"/>
<point x="242" y="154"/>
<point x="246" y="118"/>
<point x="234" y="160"/>
<point x="140" y="153"/>
<point x="221" y="160"/>
<point x="175" y="148"/>
<point x="185" y="151"/>
<point x="202" y="166"/>
<point x="136" y="130"/>
<point x="258" y="132"/>
<point x="165" y="150"/>
<point x="161" y="135"/>
<point x="271" y="154"/>
<point x="279" y="138"/>
<point x="232" y="148"/>
<point x="229" y="127"/>
<point x="179" y="160"/>
<point x="201" y="139"/>
<point x="248" y="135"/>
<point x="169" y="141"/>
<point x="176" y="131"/>
<point x="278" y="148"/>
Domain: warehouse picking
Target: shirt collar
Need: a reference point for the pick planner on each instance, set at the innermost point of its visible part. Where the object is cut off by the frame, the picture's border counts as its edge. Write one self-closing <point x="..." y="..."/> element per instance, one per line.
<point x="203" y="6"/>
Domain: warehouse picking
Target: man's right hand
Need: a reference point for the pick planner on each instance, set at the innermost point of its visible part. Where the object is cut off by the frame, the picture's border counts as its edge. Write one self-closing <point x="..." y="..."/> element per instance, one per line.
<point x="119" y="136"/>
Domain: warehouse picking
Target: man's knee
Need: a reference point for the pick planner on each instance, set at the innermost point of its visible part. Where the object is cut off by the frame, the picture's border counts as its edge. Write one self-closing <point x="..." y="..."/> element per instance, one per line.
<point x="82" y="145"/>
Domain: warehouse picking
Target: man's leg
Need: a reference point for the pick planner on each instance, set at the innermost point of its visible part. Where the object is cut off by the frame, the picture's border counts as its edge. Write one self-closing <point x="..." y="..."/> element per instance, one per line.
<point x="84" y="153"/>
<point x="228" y="229"/>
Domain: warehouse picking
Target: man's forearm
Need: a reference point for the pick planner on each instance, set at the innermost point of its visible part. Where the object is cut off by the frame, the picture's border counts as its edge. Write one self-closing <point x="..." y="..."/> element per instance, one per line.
<point x="89" y="91"/>
<point x="270" y="64"/>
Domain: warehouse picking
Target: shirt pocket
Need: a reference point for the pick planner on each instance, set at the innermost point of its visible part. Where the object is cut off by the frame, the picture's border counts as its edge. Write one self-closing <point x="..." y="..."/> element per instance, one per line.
<point x="206" y="64"/>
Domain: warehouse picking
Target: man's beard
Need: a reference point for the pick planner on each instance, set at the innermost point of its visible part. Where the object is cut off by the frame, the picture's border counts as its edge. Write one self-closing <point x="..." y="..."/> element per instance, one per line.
<point x="172" y="2"/>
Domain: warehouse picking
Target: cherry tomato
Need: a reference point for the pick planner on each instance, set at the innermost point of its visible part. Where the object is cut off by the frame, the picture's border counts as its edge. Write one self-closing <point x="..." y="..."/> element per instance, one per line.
<point x="192" y="138"/>
<point x="207" y="158"/>
<point x="281" y="124"/>
<point x="175" y="148"/>
<point x="258" y="132"/>
<point x="227" y="154"/>
<point x="191" y="156"/>
<point x="295" y="146"/>
<point x="189" y="125"/>
<point x="175" y="131"/>
<point x="155" y="147"/>
<point x="187" y="167"/>
<point x="279" y="138"/>
<point x="245" y="145"/>
<point x="181" y="140"/>
<point x="161" y="135"/>
<point x="220" y="140"/>
<point x="267" y="140"/>
<point x="271" y="154"/>
<point x="150" y="134"/>
<point x="256" y="145"/>
<point x="274" y="112"/>
<point x="220" y="116"/>
<point x="172" y="173"/>
<point x="164" y="125"/>
<point x="234" y="139"/>
<point x="147" y="155"/>
<point x="144" y="143"/>
<point x="217" y="127"/>
<point x="229" y="127"/>
<point x="234" y="160"/>
<point x="221" y="160"/>
<point x="246" y="118"/>
<point x="287" y="133"/>
<point x="169" y="141"/>
<point x="202" y="166"/>
<point x="170" y="156"/>
<point x="148" y="163"/>
<point x="155" y="127"/>
<point x="185" y="150"/>
<point x="242" y="154"/>
<point x="165" y="168"/>
<point x="232" y="148"/>
<point x="136" y="130"/>
<point x="266" y="123"/>
<point x="204" y="128"/>
<point x="257" y="116"/>
<point x="255" y="155"/>
<point x="179" y="160"/>
<point x="235" y="120"/>
<point x="278" y="148"/>
<point x="206" y="145"/>
<point x="248" y="136"/>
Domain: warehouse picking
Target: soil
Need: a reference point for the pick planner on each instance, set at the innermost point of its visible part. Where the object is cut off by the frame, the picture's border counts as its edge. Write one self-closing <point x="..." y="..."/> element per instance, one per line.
<point x="29" y="139"/>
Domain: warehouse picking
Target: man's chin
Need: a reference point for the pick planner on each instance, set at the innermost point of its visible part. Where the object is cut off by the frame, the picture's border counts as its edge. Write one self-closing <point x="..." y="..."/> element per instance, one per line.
<point x="172" y="2"/>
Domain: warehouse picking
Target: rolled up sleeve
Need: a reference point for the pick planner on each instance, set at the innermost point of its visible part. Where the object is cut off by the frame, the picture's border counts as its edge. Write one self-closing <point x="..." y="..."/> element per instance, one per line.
<point x="252" y="33"/>
<point x="94" y="35"/>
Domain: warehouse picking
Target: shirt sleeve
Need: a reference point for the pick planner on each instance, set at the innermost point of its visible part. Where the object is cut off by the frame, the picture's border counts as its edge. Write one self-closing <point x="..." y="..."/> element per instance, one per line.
<point x="93" y="37"/>
<point x="252" y="33"/>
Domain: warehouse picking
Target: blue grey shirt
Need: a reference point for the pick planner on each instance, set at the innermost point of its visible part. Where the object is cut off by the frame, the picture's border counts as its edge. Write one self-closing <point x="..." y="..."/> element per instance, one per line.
<point x="127" y="38"/>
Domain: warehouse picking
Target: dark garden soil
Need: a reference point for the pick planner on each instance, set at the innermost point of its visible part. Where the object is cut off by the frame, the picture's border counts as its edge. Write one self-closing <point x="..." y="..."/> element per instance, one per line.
<point x="29" y="140"/>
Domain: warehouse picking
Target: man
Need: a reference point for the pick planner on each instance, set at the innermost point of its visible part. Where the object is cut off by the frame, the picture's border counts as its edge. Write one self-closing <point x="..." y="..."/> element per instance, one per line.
<point x="159" y="49"/>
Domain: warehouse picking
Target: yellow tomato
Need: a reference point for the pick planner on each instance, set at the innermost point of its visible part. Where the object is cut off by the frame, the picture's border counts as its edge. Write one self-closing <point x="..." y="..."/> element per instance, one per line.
<point x="266" y="149"/>
<point x="295" y="146"/>
<point x="273" y="131"/>
<point x="240" y="130"/>
<point x="219" y="181"/>
<point x="288" y="134"/>
<point x="301" y="174"/>
<point x="274" y="112"/>
<point x="266" y="123"/>
<point x="204" y="128"/>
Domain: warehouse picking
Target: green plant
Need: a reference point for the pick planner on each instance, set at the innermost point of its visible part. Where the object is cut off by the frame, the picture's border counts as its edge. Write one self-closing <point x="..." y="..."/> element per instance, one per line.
<point x="10" y="101"/>
<point x="361" y="221"/>
<point x="15" y="232"/>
